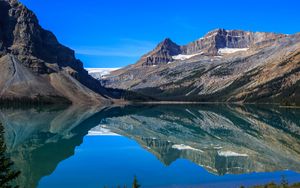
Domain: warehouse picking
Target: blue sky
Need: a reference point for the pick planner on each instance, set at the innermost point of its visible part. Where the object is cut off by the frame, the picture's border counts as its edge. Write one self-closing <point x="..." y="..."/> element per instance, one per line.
<point x="115" y="33"/>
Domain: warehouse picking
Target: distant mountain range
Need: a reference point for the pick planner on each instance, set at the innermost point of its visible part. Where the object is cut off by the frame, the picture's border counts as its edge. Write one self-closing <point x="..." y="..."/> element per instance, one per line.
<point x="223" y="66"/>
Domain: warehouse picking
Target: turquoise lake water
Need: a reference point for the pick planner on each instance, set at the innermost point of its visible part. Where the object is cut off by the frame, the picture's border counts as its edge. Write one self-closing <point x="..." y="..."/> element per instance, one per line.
<point x="162" y="145"/>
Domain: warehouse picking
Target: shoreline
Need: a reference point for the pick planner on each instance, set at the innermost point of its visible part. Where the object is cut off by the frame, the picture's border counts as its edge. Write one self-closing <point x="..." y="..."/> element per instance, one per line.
<point x="216" y="103"/>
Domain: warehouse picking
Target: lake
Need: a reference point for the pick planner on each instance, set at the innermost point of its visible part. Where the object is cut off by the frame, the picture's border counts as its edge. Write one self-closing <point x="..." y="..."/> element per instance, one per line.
<point x="162" y="145"/>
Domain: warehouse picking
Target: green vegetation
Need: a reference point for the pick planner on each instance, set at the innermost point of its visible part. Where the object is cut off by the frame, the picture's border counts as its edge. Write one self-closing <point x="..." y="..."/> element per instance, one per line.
<point x="283" y="184"/>
<point x="6" y="172"/>
<point x="135" y="183"/>
<point x="37" y="100"/>
<point x="274" y="185"/>
<point x="129" y="95"/>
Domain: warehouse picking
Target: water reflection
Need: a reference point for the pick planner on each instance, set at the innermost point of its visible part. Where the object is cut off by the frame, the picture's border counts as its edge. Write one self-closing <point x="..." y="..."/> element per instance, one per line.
<point x="38" y="139"/>
<point x="222" y="139"/>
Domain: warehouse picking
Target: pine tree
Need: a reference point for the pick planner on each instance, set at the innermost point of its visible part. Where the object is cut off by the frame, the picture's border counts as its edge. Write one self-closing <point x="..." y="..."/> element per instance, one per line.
<point x="6" y="174"/>
<point x="284" y="182"/>
<point x="135" y="183"/>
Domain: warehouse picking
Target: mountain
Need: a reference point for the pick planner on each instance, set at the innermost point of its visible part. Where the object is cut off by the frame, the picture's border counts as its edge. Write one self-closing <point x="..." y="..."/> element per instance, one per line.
<point x="35" y="67"/>
<point x="221" y="38"/>
<point x="222" y="66"/>
<point x="161" y="54"/>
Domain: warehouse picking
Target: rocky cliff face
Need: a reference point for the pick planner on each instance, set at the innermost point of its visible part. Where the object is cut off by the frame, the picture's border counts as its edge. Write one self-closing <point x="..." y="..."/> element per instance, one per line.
<point x="162" y="54"/>
<point x="221" y="38"/>
<point x="23" y="37"/>
<point x="208" y="45"/>
<point x="223" y="66"/>
<point x="34" y="63"/>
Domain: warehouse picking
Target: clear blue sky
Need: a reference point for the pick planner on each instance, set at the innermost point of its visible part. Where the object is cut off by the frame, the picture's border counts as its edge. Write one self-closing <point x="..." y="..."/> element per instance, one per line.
<point x="115" y="33"/>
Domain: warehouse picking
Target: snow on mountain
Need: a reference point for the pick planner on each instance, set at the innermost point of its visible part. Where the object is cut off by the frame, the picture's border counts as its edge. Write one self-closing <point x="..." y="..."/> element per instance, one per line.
<point x="100" y="72"/>
<point x="231" y="154"/>
<point x="101" y="130"/>
<point x="184" y="57"/>
<point x="231" y="50"/>
<point x="184" y="147"/>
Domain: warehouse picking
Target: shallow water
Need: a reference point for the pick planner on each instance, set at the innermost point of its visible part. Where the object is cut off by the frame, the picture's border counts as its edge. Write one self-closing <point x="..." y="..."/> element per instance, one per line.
<point x="162" y="145"/>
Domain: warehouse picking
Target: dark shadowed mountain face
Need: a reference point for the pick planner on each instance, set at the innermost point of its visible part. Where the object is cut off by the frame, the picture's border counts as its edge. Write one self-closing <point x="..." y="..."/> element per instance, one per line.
<point x="223" y="66"/>
<point x="33" y="63"/>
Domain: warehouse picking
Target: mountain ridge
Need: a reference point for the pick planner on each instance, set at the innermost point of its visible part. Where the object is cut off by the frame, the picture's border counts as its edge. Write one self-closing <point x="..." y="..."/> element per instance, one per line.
<point x="209" y="44"/>
<point x="241" y="66"/>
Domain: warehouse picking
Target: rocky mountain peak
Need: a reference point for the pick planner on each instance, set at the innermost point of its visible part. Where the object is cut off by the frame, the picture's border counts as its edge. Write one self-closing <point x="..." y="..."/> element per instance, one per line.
<point x="169" y="47"/>
<point x="219" y="38"/>
<point x="33" y="62"/>
<point x="161" y="54"/>
<point x="215" y="32"/>
<point x="166" y="43"/>
<point x="222" y="38"/>
<point x="208" y="45"/>
<point x="22" y="36"/>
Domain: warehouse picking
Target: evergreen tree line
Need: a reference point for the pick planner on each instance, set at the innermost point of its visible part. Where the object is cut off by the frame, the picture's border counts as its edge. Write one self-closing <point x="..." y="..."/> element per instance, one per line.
<point x="37" y="100"/>
<point x="7" y="174"/>
<point x="283" y="184"/>
<point x="135" y="184"/>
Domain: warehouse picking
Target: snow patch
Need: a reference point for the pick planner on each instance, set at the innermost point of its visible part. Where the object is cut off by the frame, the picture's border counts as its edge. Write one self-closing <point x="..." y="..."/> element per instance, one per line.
<point x="184" y="147"/>
<point x="217" y="147"/>
<point x="231" y="50"/>
<point x="231" y="154"/>
<point x="101" y="131"/>
<point x="184" y="57"/>
<point x="100" y="72"/>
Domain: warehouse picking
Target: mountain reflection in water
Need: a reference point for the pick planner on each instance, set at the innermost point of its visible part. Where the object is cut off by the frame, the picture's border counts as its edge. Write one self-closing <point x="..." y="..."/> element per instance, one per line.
<point x="221" y="139"/>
